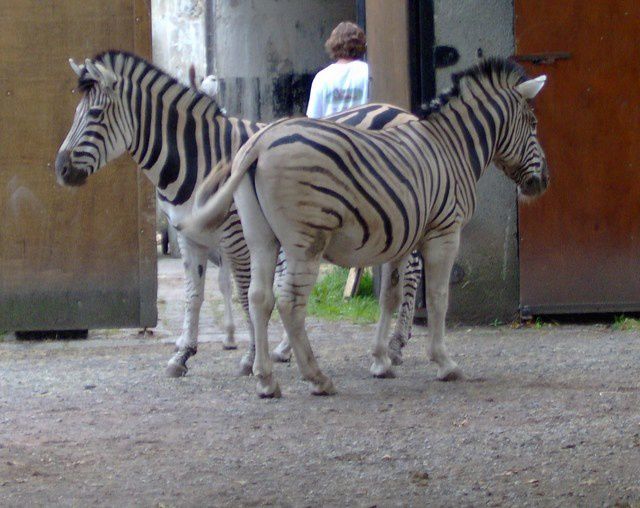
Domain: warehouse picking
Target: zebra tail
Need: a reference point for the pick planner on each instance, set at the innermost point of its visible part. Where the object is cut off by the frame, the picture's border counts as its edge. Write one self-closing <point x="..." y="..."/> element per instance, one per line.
<point x="212" y="203"/>
<point x="208" y="188"/>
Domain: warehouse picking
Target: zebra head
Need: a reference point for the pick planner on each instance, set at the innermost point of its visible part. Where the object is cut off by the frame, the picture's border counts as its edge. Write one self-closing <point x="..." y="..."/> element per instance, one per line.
<point x="96" y="135"/>
<point x="520" y="155"/>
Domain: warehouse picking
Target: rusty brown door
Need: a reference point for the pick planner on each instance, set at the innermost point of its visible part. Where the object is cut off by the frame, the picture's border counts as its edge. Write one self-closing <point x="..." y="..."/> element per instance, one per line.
<point x="69" y="257"/>
<point x="580" y="243"/>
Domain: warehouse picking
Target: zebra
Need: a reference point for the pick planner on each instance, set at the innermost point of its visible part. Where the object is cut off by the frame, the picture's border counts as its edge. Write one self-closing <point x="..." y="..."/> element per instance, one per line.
<point x="176" y="135"/>
<point x="321" y="190"/>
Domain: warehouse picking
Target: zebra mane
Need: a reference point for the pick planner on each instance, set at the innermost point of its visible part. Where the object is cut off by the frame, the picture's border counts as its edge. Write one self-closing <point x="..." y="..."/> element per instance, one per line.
<point x="109" y="58"/>
<point x="498" y="72"/>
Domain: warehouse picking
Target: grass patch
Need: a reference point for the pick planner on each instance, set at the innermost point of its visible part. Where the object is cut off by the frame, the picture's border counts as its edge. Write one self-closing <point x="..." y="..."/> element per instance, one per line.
<point x="326" y="300"/>
<point x="625" y="324"/>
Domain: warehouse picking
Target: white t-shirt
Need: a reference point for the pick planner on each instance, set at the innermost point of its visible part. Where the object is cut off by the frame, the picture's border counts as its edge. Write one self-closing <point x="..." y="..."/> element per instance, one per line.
<point x="337" y="87"/>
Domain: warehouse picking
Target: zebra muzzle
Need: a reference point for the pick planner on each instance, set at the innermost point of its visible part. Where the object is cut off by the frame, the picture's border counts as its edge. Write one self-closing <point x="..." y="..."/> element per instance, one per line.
<point x="66" y="174"/>
<point x="534" y="186"/>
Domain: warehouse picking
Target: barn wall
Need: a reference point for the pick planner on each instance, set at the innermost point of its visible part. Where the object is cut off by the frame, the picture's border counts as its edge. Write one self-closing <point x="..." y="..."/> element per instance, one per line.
<point x="70" y="258"/>
<point x="485" y="283"/>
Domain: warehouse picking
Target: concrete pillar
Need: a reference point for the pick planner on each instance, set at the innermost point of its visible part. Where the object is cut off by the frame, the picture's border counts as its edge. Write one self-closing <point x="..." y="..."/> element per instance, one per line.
<point x="266" y="52"/>
<point x="179" y="36"/>
<point x="485" y="280"/>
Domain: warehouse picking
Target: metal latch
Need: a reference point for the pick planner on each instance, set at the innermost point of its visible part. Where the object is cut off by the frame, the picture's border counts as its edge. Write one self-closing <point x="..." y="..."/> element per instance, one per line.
<point x="543" y="58"/>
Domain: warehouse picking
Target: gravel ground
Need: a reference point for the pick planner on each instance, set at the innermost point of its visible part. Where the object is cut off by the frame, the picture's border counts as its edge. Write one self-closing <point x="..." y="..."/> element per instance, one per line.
<point x="546" y="417"/>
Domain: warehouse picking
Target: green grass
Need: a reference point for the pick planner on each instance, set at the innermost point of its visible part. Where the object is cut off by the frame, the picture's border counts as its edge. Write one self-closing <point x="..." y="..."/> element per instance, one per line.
<point x="326" y="300"/>
<point x="625" y="324"/>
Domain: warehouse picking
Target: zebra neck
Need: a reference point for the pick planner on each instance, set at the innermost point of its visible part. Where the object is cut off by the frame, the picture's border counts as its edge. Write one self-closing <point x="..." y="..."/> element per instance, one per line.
<point x="170" y="143"/>
<point x="476" y="132"/>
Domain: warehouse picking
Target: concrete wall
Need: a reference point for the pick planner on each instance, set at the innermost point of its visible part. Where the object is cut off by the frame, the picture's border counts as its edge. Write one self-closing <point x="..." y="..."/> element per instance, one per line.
<point x="266" y="52"/>
<point x="485" y="281"/>
<point x="178" y="36"/>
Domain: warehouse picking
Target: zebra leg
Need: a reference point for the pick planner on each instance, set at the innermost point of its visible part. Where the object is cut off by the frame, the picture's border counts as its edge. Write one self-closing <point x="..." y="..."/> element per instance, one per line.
<point x="194" y="259"/>
<point x="241" y="270"/>
<point x="261" y="303"/>
<point x="439" y="254"/>
<point x="224" y="282"/>
<point x="292" y="305"/>
<point x="282" y="352"/>
<point x="402" y="330"/>
<point x="263" y="249"/>
<point x="390" y="292"/>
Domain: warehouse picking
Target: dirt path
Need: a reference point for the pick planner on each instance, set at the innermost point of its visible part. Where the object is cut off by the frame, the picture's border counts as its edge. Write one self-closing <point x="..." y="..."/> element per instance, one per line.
<point x="547" y="417"/>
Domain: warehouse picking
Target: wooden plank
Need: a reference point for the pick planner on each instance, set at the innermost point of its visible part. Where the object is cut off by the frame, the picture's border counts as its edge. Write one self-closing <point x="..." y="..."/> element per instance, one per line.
<point x="69" y="258"/>
<point x="388" y="52"/>
<point x="148" y="258"/>
<point x="353" y="282"/>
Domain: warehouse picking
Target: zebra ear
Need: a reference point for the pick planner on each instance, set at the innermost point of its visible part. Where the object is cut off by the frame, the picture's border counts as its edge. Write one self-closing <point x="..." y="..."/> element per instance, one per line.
<point x="78" y="69"/>
<point x="101" y="74"/>
<point x="529" y="89"/>
<point x="210" y="86"/>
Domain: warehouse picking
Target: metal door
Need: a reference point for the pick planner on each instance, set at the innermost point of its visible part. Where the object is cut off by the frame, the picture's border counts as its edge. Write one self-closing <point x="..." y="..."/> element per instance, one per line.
<point x="580" y="243"/>
<point x="69" y="257"/>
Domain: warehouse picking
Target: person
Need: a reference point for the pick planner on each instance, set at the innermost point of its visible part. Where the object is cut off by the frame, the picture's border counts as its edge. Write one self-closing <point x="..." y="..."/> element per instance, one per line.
<point x="342" y="85"/>
<point x="345" y="83"/>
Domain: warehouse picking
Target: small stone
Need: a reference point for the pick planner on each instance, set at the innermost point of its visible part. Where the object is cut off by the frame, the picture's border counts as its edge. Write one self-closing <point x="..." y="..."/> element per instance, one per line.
<point x="420" y="478"/>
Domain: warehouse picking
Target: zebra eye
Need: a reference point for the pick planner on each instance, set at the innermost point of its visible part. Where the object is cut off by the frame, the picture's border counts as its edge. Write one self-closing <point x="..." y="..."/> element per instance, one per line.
<point x="95" y="113"/>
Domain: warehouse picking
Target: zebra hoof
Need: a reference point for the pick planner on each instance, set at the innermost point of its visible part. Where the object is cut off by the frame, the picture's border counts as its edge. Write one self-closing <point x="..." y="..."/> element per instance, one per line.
<point x="323" y="388"/>
<point x="385" y="374"/>
<point x="245" y="369"/>
<point x="228" y="346"/>
<point x="268" y="388"/>
<point x="280" y="357"/>
<point x="451" y="374"/>
<point x="396" y="357"/>
<point x="381" y="368"/>
<point x="396" y="343"/>
<point x="176" y="370"/>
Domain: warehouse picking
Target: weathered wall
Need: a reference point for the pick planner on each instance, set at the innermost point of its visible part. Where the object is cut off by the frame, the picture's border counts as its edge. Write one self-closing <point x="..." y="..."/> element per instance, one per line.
<point x="178" y="36"/>
<point x="487" y="287"/>
<point x="266" y="52"/>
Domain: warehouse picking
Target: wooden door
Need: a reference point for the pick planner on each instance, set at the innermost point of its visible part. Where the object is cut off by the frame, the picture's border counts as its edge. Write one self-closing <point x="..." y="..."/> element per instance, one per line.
<point x="70" y="258"/>
<point x="580" y="243"/>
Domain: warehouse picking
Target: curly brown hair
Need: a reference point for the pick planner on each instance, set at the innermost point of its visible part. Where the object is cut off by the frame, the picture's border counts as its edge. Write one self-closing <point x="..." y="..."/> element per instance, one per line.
<point x="346" y="41"/>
